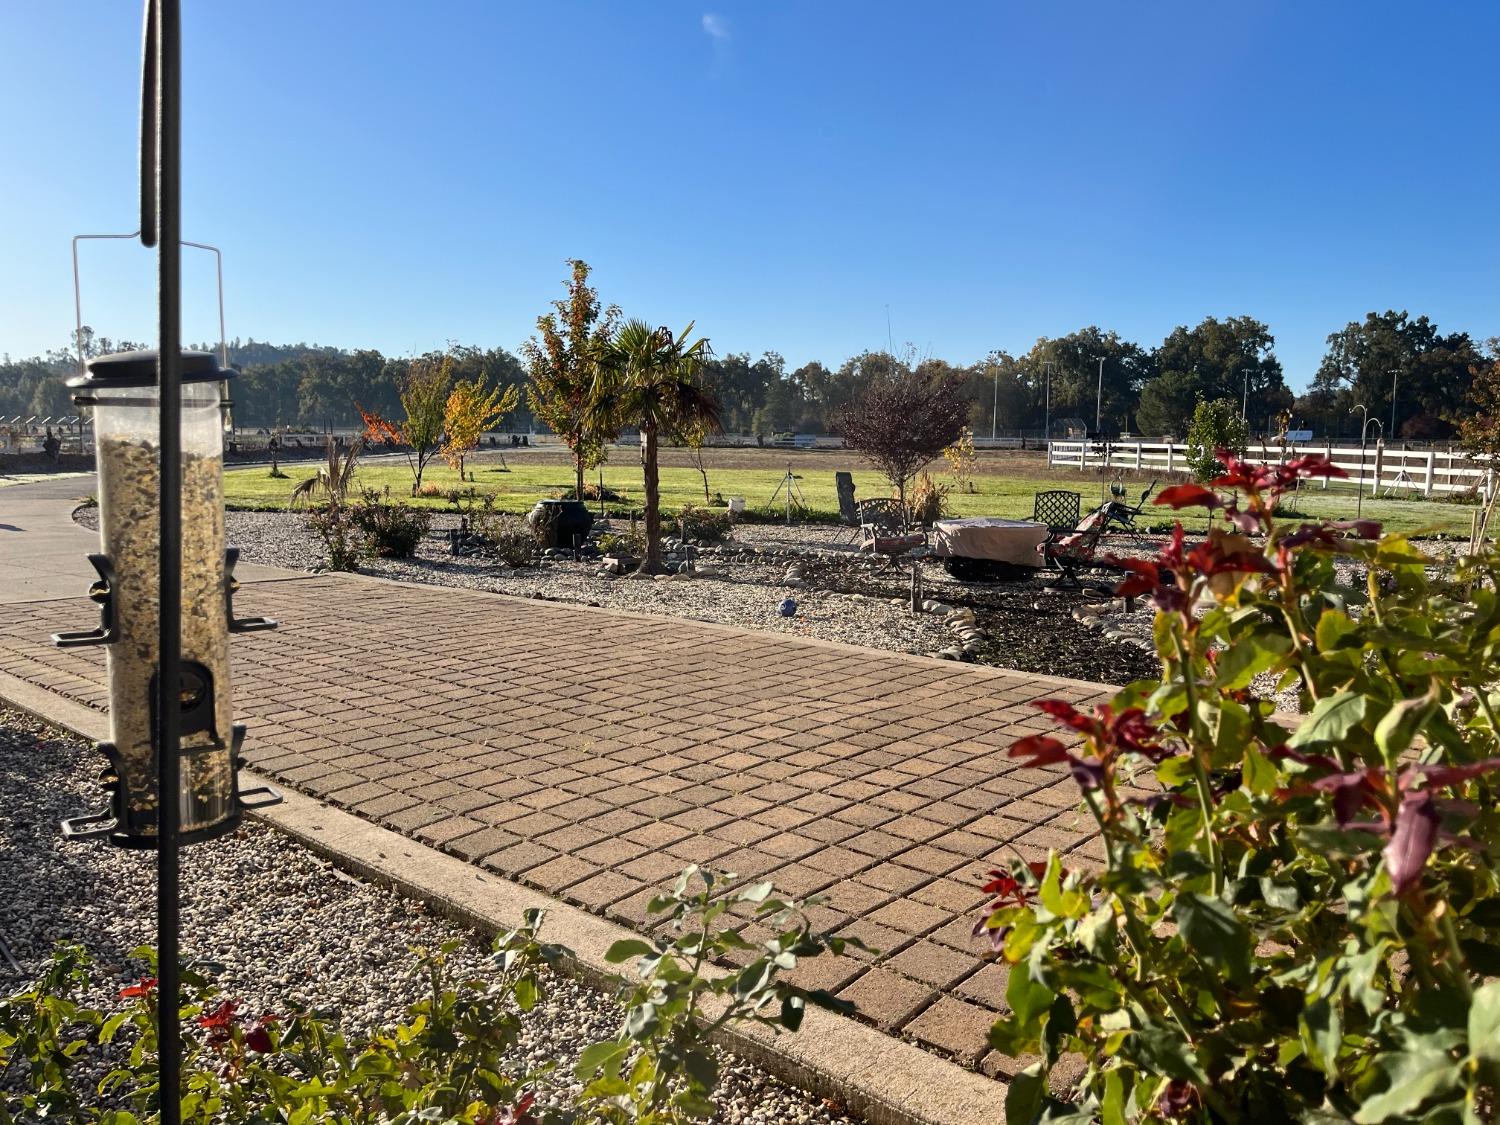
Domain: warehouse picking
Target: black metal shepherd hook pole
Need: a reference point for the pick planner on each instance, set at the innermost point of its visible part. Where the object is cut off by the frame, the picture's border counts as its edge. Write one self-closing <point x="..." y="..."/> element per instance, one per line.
<point x="161" y="226"/>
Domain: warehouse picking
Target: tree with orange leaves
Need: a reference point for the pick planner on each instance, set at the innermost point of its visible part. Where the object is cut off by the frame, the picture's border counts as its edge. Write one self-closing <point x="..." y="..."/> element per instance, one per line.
<point x="424" y="398"/>
<point x="473" y="408"/>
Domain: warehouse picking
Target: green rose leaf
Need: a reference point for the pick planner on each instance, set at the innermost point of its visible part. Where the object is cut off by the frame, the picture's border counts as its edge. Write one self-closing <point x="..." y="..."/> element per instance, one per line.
<point x="1399" y="725"/>
<point x="627" y="948"/>
<point x="1484" y="1023"/>
<point x="1331" y="720"/>
<point x="1029" y="999"/>
<point x="1333" y="626"/>
<point x="1023" y="1101"/>
<point x="1212" y="931"/>
<point x="1242" y="661"/>
<point x="1414" y="1077"/>
<point x="596" y="1055"/>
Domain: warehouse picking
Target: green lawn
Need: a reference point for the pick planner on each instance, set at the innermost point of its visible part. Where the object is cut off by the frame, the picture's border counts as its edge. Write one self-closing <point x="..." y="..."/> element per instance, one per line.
<point x="999" y="490"/>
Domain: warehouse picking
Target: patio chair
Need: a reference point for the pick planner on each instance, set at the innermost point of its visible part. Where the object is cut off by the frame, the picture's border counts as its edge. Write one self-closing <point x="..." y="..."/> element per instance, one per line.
<point x="883" y="529"/>
<point x="1078" y="549"/>
<point x="843" y="483"/>
<point x="1058" y="509"/>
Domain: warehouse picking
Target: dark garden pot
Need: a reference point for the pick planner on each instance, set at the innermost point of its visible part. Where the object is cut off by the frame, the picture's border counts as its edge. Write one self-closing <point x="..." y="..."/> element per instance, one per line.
<point x="560" y="523"/>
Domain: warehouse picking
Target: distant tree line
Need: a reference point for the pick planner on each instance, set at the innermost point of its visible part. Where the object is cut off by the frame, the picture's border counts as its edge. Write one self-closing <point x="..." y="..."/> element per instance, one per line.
<point x="1146" y="391"/>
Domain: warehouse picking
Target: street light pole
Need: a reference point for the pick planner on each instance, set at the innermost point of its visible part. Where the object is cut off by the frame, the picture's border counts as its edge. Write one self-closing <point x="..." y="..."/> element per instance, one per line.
<point x="995" y="406"/>
<point x="1047" y="416"/>
<point x="1099" y="400"/>
<point x="1396" y="374"/>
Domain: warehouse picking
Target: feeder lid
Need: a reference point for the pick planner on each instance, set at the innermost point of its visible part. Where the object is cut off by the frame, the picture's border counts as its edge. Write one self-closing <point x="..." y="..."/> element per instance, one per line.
<point x="138" y="369"/>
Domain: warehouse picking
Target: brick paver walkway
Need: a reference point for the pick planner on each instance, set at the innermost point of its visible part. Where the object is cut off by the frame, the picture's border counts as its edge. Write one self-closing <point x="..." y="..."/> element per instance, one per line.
<point x="593" y="754"/>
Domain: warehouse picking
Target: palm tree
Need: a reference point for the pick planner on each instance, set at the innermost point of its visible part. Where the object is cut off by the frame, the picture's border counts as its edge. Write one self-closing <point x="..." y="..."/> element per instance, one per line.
<point x="651" y="380"/>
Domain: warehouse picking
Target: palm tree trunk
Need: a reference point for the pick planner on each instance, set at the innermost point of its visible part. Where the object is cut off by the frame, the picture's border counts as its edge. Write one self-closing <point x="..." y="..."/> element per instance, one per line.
<point x="652" y="563"/>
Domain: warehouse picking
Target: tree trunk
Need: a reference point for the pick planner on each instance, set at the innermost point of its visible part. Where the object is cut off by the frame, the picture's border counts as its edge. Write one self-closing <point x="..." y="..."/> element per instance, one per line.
<point x="704" y="473"/>
<point x="652" y="563"/>
<point x="578" y="484"/>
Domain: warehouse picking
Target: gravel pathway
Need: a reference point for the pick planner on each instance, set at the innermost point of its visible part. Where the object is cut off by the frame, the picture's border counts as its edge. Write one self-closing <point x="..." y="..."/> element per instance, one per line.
<point x="839" y="596"/>
<point x="282" y="925"/>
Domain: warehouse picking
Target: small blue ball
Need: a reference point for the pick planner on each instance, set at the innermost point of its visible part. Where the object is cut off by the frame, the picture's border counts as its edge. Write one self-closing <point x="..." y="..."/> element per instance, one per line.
<point x="788" y="608"/>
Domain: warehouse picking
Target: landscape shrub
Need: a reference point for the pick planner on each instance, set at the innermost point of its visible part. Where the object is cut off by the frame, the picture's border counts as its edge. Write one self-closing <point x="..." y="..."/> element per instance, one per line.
<point x="333" y="478"/>
<point x="1469" y="497"/>
<point x="343" y="544"/>
<point x="506" y="536"/>
<point x="704" y="524"/>
<point x="1216" y="425"/>
<point x="628" y="543"/>
<point x="390" y="530"/>
<point x="449" y="1060"/>
<point x="591" y="493"/>
<point x="928" y="500"/>
<point x="1290" y="924"/>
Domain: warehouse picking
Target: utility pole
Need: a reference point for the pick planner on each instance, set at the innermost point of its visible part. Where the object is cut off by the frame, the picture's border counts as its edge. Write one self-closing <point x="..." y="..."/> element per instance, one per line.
<point x="1047" y="423"/>
<point x="1099" y="400"/>
<point x="1396" y="374"/>
<point x="1245" y="402"/>
<point x="995" y="407"/>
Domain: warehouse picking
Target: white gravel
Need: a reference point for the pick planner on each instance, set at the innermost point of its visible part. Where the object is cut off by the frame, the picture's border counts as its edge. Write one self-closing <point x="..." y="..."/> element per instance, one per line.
<point x="282" y="925"/>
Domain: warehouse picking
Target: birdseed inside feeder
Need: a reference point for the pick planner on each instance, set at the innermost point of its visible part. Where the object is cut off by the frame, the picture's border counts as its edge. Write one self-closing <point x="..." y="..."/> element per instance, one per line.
<point x="122" y="390"/>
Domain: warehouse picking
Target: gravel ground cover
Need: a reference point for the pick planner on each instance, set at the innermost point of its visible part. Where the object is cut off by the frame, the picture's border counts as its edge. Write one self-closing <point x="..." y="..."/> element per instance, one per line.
<point x="840" y="599"/>
<point x="283" y="926"/>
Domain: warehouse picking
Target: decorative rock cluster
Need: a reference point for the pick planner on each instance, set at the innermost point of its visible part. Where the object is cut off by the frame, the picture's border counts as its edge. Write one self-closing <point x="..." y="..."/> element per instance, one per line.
<point x="587" y="551"/>
<point x="1097" y="615"/>
<point x="681" y="560"/>
<point x="962" y="623"/>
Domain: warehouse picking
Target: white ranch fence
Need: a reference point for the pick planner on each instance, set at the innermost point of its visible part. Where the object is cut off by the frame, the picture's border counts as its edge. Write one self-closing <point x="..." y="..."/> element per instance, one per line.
<point x="1411" y="472"/>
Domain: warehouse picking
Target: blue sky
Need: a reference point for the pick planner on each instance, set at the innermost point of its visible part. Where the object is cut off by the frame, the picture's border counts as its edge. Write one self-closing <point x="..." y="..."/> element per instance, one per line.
<point x="780" y="172"/>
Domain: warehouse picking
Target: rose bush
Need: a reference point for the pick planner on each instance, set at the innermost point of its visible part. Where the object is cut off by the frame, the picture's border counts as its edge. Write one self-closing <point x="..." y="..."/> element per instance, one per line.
<point x="451" y="1059"/>
<point x="1294" y="921"/>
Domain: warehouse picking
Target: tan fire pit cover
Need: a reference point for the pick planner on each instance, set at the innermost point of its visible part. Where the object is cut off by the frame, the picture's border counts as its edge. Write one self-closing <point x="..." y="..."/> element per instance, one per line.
<point x="1016" y="542"/>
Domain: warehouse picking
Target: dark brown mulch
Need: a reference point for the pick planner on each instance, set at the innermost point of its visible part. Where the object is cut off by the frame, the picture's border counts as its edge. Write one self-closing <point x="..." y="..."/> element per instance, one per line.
<point x="1031" y="631"/>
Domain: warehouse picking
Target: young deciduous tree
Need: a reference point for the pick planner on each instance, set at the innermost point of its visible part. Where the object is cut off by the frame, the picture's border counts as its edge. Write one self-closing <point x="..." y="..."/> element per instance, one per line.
<point x="472" y="408"/>
<point x="1216" y="425"/>
<point x="562" y="366"/>
<point x="962" y="460"/>
<point x="650" y="379"/>
<point x="695" y="437"/>
<point x="904" y="421"/>
<point x="424" y="398"/>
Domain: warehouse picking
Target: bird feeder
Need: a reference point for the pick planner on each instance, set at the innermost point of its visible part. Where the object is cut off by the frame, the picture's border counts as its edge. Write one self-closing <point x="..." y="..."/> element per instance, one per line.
<point x="122" y="391"/>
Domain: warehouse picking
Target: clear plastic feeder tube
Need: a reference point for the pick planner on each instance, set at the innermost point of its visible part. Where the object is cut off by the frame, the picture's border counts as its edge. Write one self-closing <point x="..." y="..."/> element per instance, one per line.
<point x="127" y="429"/>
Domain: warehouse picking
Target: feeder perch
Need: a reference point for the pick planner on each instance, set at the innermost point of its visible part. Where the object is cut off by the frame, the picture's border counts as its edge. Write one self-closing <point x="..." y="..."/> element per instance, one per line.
<point x="123" y="393"/>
